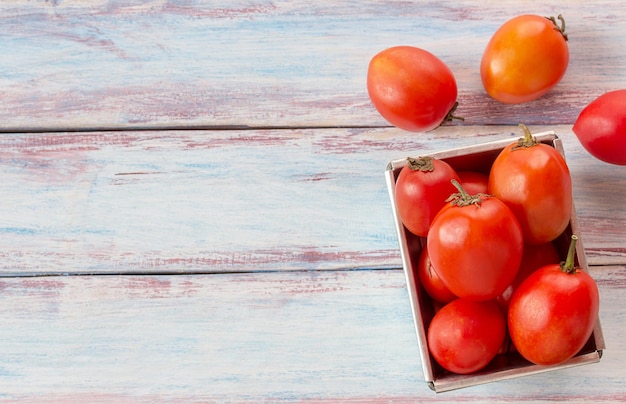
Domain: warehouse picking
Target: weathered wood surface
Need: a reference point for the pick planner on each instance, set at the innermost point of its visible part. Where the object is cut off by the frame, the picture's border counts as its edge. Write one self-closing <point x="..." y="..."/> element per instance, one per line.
<point x="321" y="336"/>
<point x="229" y="235"/>
<point x="115" y="64"/>
<point x="182" y="201"/>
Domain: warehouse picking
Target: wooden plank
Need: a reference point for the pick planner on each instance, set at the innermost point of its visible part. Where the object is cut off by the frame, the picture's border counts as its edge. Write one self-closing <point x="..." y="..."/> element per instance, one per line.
<point x="151" y="64"/>
<point x="338" y="336"/>
<point x="225" y="201"/>
<point x="250" y="226"/>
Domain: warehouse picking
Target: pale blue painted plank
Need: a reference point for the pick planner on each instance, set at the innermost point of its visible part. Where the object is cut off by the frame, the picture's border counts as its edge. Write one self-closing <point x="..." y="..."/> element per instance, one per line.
<point x="189" y="201"/>
<point x="256" y="200"/>
<point x="155" y="63"/>
<point x="344" y="336"/>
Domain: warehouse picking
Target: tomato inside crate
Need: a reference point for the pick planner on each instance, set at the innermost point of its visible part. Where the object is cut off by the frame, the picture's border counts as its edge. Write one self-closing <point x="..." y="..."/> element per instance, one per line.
<point x="507" y="364"/>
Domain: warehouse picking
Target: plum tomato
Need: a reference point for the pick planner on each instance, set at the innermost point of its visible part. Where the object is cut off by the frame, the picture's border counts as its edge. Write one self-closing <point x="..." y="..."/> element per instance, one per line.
<point x="473" y="182"/>
<point x="534" y="181"/>
<point x="553" y="312"/>
<point x="431" y="281"/>
<point x="525" y="58"/>
<point x="411" y="88"/>
<point x="465" y="335"/>
<point x="476" y="245"/>
<point x="421" y="190"/>
<point x="601" y="127"/>
<point x="533" y="258"/>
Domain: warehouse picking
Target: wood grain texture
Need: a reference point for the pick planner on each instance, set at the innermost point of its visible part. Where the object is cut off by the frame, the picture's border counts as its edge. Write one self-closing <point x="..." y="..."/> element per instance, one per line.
<point x="340" y="336"/>
<point x="154" y="64"/>
<point x="211" y="175"/>
<point x="224" y="201"/>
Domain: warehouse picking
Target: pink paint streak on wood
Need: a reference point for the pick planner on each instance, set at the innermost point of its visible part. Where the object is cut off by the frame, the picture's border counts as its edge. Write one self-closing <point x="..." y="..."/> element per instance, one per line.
<point x="181" y="64"/>
<point x="189" y="201"/>
<point x="229" y="237"/>
<point x="246" y="337"/>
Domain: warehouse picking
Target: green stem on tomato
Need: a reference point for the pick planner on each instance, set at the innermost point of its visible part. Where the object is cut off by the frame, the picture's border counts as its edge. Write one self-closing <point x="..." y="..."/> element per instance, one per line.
<point x="462" y="191"/>
<point x="462" y="198"/>
<point x="561" y="29"/>
<point x="450" y="115"/>
<point x="527" y="141"/>
<point x="568" y="266"/>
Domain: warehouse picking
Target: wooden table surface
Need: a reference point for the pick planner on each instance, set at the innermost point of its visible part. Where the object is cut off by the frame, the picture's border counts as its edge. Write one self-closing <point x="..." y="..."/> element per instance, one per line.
<point x="193" y="205"/>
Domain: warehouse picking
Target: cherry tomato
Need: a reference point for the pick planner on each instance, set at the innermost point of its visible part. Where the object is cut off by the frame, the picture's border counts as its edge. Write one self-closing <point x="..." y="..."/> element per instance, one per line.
<point x="422" y="188"/>
<point x="553" y="312"/>
<point x="465" y="335"/>
<point x="525" y="58"/>
<point x="601" y="127"/>
<point x="431" y="281"/>
<point x="473" y="182"/>
<point x="534" y="181"/>
<point x="476" y="245"/>
<point x="533" y="258"/>
<point x="411" y="88"/>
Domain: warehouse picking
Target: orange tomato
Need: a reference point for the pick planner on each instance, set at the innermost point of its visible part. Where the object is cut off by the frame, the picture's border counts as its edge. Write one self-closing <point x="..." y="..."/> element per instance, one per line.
<point x="525" y="58"/>
<point x="533" y="180"/>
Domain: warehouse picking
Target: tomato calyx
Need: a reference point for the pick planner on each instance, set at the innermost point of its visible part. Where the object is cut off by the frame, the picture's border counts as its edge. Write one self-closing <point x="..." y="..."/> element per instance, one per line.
<point x="463" y="198"/>
<point x="527" y="141"/>
<point x="560" y="28"/>
<point x="568" y="265"/>
<point x="450" y="115"/>
<point x="420" y="163"/>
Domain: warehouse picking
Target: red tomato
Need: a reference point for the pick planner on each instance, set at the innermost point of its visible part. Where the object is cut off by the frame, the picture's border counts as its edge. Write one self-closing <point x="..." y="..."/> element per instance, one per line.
<point x="534" y="181"/>
<point x="473" y="182"/>
<point x="601" y="127"/>
<point x="411" y="88"/>
<point x="476" y="244"/>
<point x="431" y="281"/>
<point x="525" y="58"/>
<point x="533" y="258"/>
<point x="422" y="188"/>
<point x="553" y="312"/>
<point x="465" y="335"/>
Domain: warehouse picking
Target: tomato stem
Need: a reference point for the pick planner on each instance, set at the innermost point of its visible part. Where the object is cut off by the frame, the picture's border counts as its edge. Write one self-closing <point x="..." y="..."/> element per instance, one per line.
<point x="460" y="188"/>
<point x="420" y="163"/>
<point x="462" y="198"/>
<point x="450" y="116"/>
<point x="561" y="28"/>
<point x="527" y="141"/>
<point x="568" y="266"/>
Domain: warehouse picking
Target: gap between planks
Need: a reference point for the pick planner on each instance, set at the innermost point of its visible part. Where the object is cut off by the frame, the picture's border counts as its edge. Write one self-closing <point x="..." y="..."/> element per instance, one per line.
<point x="192" y="272"/>
<point x="172" y="128"/>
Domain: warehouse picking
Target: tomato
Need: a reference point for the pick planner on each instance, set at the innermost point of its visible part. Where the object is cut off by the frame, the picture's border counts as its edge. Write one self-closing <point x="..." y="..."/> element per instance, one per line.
<point x="553" y="312"/>
<point x="533" y="258"/>
<point x="411" y="88"/>
<point x="601" y="127"/>
<point x="422" y="188"/>
<point x="465" y="335"/>
<point x="534" y="181"/>
<point x="431" y="281"/>
<point x="525" y="58"/>
<point x="476" y="245"/>
<point x="473" y="182"/>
